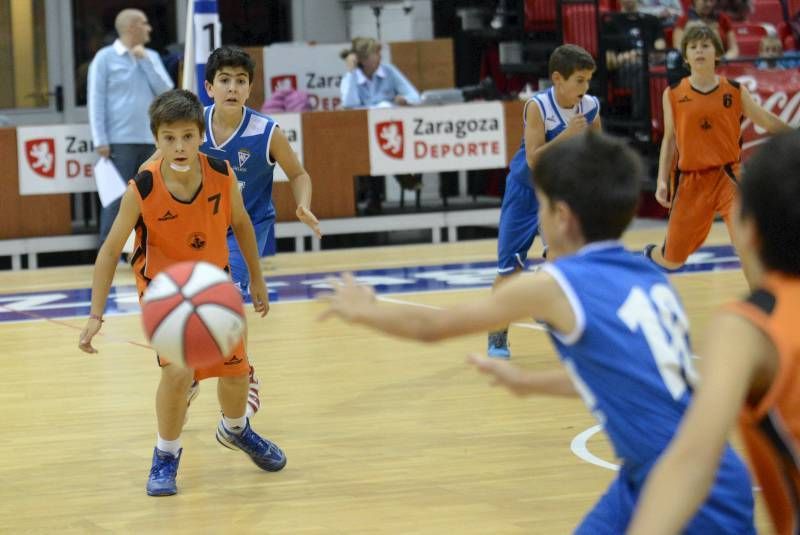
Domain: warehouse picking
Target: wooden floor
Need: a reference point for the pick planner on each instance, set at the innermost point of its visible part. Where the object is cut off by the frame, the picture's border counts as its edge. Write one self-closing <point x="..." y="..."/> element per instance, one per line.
<point x="382" y="436"/>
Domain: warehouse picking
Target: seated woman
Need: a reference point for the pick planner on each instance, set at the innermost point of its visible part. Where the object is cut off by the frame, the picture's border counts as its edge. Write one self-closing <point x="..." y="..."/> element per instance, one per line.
<point x="706" y="12"/>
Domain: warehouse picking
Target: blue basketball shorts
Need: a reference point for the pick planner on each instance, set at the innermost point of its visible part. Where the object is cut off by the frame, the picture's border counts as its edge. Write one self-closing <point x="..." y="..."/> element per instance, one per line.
<point x="519" y="225"/>
<point x="728" y="508"/>
<point x="265" y="241"/>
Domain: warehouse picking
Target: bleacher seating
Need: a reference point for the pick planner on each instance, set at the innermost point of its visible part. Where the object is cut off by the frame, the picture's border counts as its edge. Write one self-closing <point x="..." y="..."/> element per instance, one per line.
<point x="540" y="15"/>
<point x="749" y="35"/>
<point x="769" y="11"/>
<point x="579" y="24"/>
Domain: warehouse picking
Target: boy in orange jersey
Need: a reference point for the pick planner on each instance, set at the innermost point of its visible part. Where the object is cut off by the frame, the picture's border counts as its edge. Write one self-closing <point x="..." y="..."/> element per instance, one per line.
<point x="702" y="121"/>
<point x="752" y="359"/>
<point x="177" y="196"/>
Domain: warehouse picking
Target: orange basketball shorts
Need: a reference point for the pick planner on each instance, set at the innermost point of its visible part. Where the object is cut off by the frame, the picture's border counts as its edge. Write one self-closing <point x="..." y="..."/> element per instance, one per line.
<point x="234" y="366"/>
<point x="696" y="197"/>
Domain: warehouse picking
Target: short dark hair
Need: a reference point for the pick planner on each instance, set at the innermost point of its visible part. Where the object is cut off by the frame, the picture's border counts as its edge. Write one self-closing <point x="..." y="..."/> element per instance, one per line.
<point x="229" y="56"/>
<point x="770" y="194"/>
<point x="173" y="106"/>
<point x="567" y="59"/>
<point x="598" y="177"/>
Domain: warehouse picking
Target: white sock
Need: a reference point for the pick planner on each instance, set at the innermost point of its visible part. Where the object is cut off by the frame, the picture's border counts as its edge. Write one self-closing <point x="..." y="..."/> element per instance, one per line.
<point x="172" y="447"/>
<point x="234" y="425"/>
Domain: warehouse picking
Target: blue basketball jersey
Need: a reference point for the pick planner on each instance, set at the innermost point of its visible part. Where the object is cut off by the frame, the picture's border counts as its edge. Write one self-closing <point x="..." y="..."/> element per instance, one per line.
<point x="247" y="150"/>
<point x="629" y="355"/>
<point x="555" y="121"/>
<point x="630" y="359"/>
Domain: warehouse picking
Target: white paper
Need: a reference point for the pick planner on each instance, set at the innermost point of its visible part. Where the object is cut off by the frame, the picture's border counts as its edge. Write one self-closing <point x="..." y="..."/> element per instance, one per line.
<point x="110" y="185"/>
<point x="128" y="247"/>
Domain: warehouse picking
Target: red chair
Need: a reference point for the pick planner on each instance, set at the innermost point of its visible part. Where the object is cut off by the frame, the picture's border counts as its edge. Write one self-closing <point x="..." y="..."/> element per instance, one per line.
<point x="786" y="36"/>
<point x="748" y="36"/>
<point x="658" y="83"/>
<point x="579" y="26"/>
<point x="540" y="15"/>
<point x="767" y="11"/>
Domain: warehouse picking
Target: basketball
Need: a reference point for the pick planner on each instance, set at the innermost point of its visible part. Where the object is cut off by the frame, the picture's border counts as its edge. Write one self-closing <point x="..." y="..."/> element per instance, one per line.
<point x="193" y="314"/>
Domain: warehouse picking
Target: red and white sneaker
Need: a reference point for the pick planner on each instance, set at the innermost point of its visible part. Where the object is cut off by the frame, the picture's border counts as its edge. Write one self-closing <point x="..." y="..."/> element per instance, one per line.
<point x="190" y="395"/>
<point x="253" y="399"/>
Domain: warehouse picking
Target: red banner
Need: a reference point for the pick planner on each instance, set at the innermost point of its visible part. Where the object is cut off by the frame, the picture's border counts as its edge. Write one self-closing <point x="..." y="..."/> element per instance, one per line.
<point x="777" y="91"/>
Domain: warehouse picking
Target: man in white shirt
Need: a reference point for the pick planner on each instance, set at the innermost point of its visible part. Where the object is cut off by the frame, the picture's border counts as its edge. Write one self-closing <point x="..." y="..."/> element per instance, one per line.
<point x="124" y="78"/>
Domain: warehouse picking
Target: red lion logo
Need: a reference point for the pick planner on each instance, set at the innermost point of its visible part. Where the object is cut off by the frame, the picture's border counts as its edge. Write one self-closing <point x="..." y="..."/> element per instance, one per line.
<point x="41" y="155"/>
<point x="284" y="81"/>
<point x="390" y="138"/>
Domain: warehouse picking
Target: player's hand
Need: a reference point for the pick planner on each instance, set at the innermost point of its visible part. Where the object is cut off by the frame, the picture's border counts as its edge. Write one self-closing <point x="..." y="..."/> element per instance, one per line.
<point x="400" y="100"/>
<point x="347" y="300"/>
<point x="662" y="194"/>
<point x="85" y="341"/>
<point x="259" y="296"/>
<point x="104" y="151"/>
<point x="138" y="52"/>
<point x="576" y="125"/>
<point x="503" y="373"/>
<point x="305" y="215"/>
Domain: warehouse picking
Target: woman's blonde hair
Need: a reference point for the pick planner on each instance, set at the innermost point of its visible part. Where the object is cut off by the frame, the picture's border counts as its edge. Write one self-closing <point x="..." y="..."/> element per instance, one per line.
<point x="362" y="47"/>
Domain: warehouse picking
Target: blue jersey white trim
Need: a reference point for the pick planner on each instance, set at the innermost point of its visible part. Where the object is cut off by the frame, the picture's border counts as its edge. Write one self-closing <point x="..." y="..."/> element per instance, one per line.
<point x="247" y="150"/>
<point x="554" y="122"/>
<point x="574" y="303"/>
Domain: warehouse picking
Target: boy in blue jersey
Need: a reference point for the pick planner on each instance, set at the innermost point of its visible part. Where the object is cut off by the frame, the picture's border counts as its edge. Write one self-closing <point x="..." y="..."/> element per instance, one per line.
<point x="550" y="116"/>
<point x="617" y="324"/>
<point x="252" y="143"/>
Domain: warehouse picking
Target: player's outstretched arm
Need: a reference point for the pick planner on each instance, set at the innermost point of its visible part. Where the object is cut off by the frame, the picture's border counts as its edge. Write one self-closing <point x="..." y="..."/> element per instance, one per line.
<point x="299" y="180"/>
<point x="106" y="265"/>
<point x="763" y="118"/>
<point x="246" y="238"/>
<point x="680" y="482"/>
<point x="522" y="382"/>
<point x="666" y="156"/>
<point x="535" y="295"/>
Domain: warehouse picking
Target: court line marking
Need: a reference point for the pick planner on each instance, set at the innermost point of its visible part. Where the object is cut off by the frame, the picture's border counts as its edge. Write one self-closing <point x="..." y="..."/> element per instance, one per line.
<point x="580" y="449"/>
<point x="39" y="317"/>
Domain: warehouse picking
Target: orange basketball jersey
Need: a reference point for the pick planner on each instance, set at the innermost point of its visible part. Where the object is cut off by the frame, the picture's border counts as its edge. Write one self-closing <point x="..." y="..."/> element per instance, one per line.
<point x="707" y="125"/>
<point x="170" y="230"/>
<point x="771" y="430"/>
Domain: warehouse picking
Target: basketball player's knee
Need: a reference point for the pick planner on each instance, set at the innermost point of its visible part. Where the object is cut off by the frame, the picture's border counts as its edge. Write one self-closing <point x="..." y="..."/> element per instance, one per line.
<point x="238" y="382"/>
<point x="177" y="377"/>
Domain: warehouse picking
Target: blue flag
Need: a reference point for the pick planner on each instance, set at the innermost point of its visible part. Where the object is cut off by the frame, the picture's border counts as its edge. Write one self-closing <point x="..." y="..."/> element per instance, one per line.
<point x="203" y="35"/>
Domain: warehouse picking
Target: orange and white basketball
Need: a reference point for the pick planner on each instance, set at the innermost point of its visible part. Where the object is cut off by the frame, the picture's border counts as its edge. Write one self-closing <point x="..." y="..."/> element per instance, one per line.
<point x="193" y="314"/>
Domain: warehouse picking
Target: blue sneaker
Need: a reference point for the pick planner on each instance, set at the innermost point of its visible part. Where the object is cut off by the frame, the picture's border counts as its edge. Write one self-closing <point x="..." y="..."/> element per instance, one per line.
<point x="264" y="453"/>
<point x="162" y="473"/>
<point x="498" y="345"/>
<point x="647" y="251"/>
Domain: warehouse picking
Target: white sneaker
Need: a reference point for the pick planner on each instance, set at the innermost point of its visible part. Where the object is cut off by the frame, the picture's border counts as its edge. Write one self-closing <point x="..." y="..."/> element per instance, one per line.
<point x="193" y="391"/>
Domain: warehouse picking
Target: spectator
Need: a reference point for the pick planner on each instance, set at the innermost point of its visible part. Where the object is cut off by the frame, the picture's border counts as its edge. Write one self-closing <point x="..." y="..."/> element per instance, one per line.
<point x="737" y="10"/>
<point x="770" y="50"/>
<point x="124" y="78"/>
<point x="628" y="36"/>
<point x="668" y="11"/>
<point x="706" y="12"/>
<point x="369" y="83"/>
